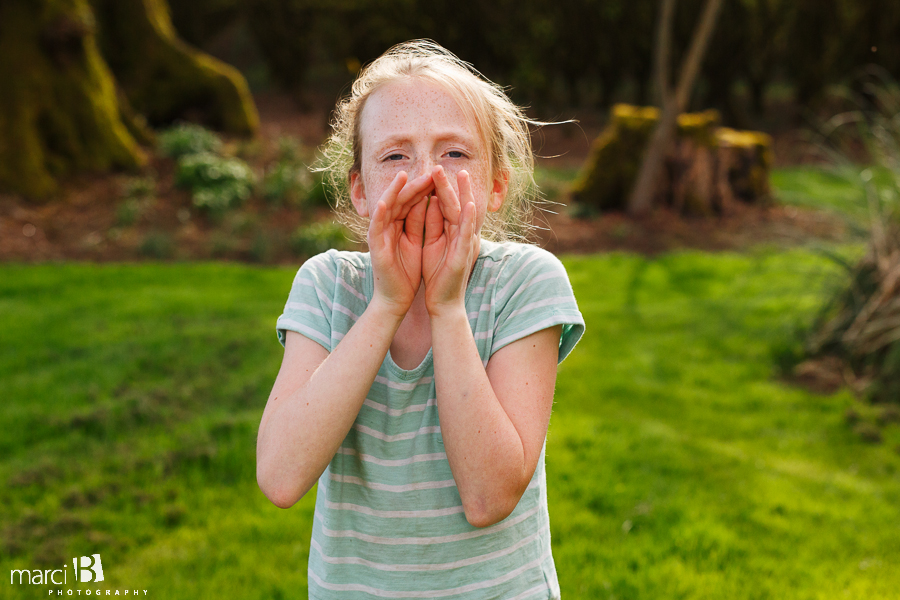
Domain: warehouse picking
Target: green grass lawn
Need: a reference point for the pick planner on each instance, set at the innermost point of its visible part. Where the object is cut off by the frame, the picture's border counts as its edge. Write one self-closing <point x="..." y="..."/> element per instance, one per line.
<point x="679" y="465"/>
<point x="834" y="190"/>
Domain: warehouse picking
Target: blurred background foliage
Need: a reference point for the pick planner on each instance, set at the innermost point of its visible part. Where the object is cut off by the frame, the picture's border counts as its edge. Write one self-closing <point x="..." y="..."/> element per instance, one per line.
<point x="564" y="53"/>
<point x="84" y="78"/>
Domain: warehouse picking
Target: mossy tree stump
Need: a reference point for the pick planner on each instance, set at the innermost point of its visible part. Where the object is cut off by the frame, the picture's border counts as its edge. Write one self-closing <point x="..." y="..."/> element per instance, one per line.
<point x="164" y="78"/>
<point x="63" y="109"/>
<point x="706" y="166"/>
<point x="58" y="107"/>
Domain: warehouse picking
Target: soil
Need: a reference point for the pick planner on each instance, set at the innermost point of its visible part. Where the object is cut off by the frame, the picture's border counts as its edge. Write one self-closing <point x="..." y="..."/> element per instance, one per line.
<point x="87" y="221"/>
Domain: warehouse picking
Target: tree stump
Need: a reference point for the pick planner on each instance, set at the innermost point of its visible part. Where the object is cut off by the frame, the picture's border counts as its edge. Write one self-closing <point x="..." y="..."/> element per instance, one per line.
<point x="58" y="107"/>
<point x="706" y="167"/>
<point x="163" y="77"/>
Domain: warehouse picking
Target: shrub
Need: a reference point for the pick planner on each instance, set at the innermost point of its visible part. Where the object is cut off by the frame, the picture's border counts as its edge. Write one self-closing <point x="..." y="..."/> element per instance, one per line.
<point x="288" y="182"/>
<point x="187" y="139"/>
<point x="319" y="237"/>
<point x="157" y="244"/>
<point x="140" y="187"/>
<point x="216" y="183"/>
<point x="129" y="212"/>
<point x="861" y="324"/>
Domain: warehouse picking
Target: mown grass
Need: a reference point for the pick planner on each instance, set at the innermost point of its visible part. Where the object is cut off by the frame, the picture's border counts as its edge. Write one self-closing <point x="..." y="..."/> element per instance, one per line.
<point x="679" y="465"/>
<point x="836" y="190"/>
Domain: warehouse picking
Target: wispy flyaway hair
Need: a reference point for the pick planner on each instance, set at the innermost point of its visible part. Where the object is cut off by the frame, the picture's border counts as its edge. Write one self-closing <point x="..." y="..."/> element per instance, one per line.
<point x="502" y="125"/>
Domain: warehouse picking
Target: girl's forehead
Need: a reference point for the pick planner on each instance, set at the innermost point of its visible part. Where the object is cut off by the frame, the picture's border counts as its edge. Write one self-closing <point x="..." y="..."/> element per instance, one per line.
<point x="413" y="107"/>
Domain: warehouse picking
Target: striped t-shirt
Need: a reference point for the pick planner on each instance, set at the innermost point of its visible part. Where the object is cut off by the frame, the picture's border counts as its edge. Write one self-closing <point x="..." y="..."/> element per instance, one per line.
<point x="389" y="521"/>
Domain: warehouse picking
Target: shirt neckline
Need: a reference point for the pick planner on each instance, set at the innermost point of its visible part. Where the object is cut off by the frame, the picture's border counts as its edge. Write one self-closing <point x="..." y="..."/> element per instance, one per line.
<point x="422" y="368"/>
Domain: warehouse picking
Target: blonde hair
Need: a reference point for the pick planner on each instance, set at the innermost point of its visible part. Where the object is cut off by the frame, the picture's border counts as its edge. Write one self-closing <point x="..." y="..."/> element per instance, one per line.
<point x="501" y="124"/>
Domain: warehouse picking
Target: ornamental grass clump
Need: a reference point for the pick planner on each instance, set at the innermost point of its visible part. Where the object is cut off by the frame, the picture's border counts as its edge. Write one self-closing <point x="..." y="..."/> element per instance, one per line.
<point x="861" y="324"/>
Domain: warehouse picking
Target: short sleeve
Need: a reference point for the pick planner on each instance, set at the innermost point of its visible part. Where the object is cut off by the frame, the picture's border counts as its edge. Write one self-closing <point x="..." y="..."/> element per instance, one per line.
<point x="307" y="309"/>
<point x="533" y="293"/>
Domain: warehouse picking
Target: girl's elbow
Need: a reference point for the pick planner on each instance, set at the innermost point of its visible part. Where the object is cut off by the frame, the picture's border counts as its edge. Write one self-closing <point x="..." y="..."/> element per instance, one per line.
<point x="483" y="513"/>
<point x="275" y="489"/>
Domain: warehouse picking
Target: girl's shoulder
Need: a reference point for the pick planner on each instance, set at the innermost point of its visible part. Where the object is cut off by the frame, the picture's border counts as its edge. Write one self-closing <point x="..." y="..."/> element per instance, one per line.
<point x="333" y="265"/>
<point x="336" y="259"/>
<point x="502" y="261"/>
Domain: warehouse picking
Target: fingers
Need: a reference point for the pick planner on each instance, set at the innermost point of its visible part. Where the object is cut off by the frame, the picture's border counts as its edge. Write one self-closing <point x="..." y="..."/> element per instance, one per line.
<point x="414" y="224"/>
<point x="434" y="221"/>
<point x="410" y="194"/>
<point x="465" y="188"/>
<point x="377" y="224"/>
<point x="465" y="235"/>
<point x="449" y="201"/>
<point x="389" y="197"/>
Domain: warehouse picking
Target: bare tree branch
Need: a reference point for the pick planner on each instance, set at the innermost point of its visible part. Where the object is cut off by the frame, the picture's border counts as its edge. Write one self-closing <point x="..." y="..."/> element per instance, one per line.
<point x="641" y="200"/>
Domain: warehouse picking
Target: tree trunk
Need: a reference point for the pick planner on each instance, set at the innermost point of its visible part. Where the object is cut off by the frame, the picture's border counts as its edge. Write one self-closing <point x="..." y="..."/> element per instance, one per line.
<point x="641" y="199"/>
<point x="163" y="77"/>
<point x="58" y="106"/>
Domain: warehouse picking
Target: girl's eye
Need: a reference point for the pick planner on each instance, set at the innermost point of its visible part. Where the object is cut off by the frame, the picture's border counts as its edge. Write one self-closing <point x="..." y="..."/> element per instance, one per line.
<point x="455" y="154"/>
<point x="395" y="157"/>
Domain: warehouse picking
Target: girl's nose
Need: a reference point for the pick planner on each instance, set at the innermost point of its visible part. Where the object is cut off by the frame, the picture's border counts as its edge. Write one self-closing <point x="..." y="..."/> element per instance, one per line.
<point x="423" y="166"/>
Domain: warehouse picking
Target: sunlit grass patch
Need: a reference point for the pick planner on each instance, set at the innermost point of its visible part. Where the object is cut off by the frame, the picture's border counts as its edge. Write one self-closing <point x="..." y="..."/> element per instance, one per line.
<point x="679" y="465"/>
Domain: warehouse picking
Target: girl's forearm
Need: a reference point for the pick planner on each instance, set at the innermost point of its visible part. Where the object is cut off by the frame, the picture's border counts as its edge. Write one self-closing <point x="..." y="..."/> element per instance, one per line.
<point x="302" y="430"/>
<point x="484" y="449"/>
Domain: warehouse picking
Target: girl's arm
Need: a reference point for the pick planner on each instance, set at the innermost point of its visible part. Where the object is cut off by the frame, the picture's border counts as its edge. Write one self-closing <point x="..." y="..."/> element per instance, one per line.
<point x="494" y="420"/>
<point x="314" y="402"/>
<point x="317" y="394"/>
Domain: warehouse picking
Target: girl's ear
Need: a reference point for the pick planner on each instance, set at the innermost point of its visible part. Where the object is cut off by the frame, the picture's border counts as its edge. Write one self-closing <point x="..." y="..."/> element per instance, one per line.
<point x="358" y="194"/>
<point x="498" y="191"/>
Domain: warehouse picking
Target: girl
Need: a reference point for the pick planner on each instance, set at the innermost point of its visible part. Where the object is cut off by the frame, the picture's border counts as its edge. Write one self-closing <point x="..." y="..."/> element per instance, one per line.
<point x="418" y="378"/>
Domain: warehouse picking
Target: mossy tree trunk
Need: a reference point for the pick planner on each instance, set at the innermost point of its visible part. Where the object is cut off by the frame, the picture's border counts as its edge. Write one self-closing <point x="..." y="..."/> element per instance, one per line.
<point x="164" y="78"/>
<point x="58" y="106"/>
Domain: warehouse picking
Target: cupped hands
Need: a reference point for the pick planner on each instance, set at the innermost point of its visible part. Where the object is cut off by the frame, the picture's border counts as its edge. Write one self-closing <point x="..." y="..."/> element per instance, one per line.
<point x="423" y="232"/>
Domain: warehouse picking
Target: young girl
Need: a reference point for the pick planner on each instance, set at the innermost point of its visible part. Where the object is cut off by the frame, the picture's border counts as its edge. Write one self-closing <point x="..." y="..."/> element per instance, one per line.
<point x="418" y="378"/>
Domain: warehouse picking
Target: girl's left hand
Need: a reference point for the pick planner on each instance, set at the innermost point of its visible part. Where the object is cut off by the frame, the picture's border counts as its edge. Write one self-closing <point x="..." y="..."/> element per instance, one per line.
<point x="450" y="244"/>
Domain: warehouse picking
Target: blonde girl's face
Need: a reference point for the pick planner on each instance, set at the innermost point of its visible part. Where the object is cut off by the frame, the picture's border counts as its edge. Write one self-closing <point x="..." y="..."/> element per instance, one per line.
<point x="413" y="126"/>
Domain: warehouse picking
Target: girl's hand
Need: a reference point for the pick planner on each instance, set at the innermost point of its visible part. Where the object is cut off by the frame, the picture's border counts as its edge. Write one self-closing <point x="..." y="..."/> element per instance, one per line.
<point x="395" y="241"/>
<point x="451" y="243"/>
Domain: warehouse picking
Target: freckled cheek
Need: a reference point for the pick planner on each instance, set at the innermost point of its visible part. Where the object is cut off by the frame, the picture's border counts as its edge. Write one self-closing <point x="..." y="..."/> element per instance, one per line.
<point x="378" y="178"/>
<point x="477" y="180"/>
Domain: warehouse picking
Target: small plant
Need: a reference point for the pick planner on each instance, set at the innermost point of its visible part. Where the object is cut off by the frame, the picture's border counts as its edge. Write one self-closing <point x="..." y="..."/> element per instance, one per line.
<point x="316" y="238"/>
<point x="140" y="187"/>
<point x="289" y="179"/>
<point x="138" y="195"/>
<point x="129" y="212"/>
<point x="216" y="183"/>
<point x="287" y="182"/>
<point x="222" y="245"/>
<point x="187" y="139"/>
<point x="157" y="245"/>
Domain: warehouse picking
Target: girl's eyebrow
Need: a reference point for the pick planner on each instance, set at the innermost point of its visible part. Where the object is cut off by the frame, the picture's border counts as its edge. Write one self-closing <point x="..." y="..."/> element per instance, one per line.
<point x="446" y="136"/>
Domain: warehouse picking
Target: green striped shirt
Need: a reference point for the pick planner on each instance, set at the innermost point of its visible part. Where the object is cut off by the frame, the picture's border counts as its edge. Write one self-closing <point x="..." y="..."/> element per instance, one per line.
<point x="389" y="521"/>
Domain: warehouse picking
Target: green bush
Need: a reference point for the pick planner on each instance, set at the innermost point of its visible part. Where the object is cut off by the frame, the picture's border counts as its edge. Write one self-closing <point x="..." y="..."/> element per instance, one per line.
<point x="316" y="238"/>
<point x="289" y="179"/>
<point x="128" y="212"/>
<point x="288" y="182"/>
<point x="216" y="182"/>
<point x="187" y="139"/>
<point x="140" y="187"/>
<point x="157" y="244"/>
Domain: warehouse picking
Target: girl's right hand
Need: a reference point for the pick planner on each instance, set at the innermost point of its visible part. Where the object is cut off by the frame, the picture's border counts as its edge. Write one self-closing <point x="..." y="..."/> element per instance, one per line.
<point x="395" y="241"/>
